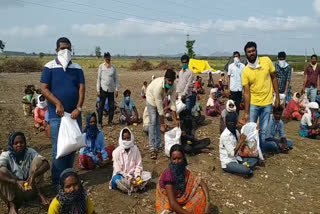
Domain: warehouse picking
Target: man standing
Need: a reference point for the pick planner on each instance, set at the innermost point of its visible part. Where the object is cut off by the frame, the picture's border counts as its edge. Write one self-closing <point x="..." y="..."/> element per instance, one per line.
<point x="258" y="78"/>
<point x="185" y="84"/>
<point x="107" y="87"/>
<point x="234" y="80"/>
<point x="283" y="73"/>
<point x="156" y="92"/>
<point x="63" y="85"/>
<point x="311" y="76"/>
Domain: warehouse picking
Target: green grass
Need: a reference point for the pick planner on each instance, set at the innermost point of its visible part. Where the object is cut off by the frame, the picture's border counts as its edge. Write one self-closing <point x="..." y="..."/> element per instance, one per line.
<point x="218" y="63"/>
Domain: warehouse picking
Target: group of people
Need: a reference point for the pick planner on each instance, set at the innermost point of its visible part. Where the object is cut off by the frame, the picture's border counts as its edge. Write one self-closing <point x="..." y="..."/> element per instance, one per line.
<point x="255" y="87"/>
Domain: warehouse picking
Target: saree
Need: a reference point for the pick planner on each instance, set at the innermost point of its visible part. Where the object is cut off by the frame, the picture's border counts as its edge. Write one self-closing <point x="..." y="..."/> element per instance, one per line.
<point x="192" y="200"/>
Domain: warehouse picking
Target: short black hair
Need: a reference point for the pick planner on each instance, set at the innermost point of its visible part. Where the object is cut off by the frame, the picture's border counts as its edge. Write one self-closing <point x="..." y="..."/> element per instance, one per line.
<point x="38" y="91"/>
<point x="249" y="45"/>
<point x="107" y="55"/>
<point x="170" y="74"/>
<point x="63" y="40"/>
<point x="127" y="92"/>
<point x="28" y="91"/>
<point x="314" y="56"/>
<point x="236" y="52"/>
<point x="42" y="98"/>
<point x="125" y="131"/>
<point x="282" y="54"/>
<point x="145" y="82"/>
<point x="278" y="109"/>
<point x="177" y="147"/>
<point x="185" y="57"/>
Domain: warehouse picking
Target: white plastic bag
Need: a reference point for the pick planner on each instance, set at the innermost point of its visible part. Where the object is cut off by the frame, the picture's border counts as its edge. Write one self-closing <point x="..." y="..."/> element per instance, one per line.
<point x="171" y="138"/>
<point x="180" y="106"/>
<point x="70" y="137"/>
<point x="252" y="140"/>
<point x="282" y="98"/>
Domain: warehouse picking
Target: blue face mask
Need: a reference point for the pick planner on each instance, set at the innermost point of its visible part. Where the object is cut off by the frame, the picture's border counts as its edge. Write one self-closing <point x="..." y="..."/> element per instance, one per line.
<point x="185" y="66"/>
<point x="168" y="86"/>
<point x="127" y="100"/>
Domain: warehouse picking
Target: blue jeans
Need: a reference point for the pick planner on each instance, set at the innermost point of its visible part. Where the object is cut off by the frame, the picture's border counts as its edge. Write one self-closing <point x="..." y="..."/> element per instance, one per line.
<point x="312" y="91"/>
<point x="58" y="165"/>
<point x="238" y="168"/>
<point x="154" y="128"/>
<point x="114" y="179"/>
<point x="263" y="112"/>
<point x="273" y="146"/>
<point x="190" y="101"/>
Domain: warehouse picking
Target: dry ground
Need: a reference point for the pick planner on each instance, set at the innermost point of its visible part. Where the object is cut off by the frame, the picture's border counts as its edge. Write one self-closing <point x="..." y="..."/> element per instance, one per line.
<point x="288" y="184"/>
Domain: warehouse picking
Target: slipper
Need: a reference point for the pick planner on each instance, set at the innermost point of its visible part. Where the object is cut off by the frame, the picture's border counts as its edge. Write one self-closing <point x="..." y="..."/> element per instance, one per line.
<point x="153" y="155"/>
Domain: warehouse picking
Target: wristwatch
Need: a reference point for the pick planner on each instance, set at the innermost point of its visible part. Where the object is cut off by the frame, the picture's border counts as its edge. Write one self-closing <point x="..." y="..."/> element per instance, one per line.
<point x="79" y="109"/>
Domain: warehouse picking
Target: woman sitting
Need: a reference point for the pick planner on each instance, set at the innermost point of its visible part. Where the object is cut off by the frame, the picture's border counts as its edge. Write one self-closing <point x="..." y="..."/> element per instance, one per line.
<point x="309" y="123"/>
<point x="230" y="144"/>
<point x="198" y="86"/>
<point x="94" y="153"/>
<point x="39" y="113"/>
<point x="179" y="190"/>
<point x="293" y="110"/>
<point x="210" y="81"/>
<point x="128" y="175"/>
<point x="71" y="198"/>
<point x="21" y="173"/>
<point x="214" y="107"/>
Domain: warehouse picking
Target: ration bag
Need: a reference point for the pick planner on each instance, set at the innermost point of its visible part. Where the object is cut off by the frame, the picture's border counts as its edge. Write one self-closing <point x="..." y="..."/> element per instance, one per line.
<point x="251" y="146"/>
<point x="180" y="106"/>
<point x="70" y="137"/>
<point x="171" y="138"/>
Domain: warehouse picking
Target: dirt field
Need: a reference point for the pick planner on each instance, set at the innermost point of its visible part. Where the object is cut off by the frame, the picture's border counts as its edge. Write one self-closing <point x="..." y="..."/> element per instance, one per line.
<point x="288" y="184"/>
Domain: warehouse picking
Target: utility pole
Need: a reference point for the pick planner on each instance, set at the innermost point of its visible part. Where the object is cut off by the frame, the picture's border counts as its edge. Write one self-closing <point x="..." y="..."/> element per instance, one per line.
<point x="305" y="54"/>
<point x="313" y="51"/>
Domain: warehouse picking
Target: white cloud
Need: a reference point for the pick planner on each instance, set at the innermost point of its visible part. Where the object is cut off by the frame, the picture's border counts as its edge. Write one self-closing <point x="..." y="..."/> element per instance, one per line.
<point x="316" y="6"/>
<point x="19" y="31"/>
<point x="133" y="26"/>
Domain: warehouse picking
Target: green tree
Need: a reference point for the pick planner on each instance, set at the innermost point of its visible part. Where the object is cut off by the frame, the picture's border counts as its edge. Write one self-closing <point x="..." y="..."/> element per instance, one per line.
<point x="189" y="46"/>
<point x="98" y="51"/>
<point x="2" y="45"/>
<point x="41" y="54"/>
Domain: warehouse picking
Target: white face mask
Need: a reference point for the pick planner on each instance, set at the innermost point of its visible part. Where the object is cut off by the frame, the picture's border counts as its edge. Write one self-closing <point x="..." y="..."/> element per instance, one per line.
<point x="236" y="59"/>
<point x="283" y="63"/>
<point x="64" y="57"/>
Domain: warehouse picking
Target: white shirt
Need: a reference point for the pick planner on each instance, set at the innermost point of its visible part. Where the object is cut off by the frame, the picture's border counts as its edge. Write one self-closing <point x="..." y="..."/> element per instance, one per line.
<point x="235" y="72"/>
<point x="226" y="148"/>
<point x="107" y="78"/>
<point x="306" y="119"/>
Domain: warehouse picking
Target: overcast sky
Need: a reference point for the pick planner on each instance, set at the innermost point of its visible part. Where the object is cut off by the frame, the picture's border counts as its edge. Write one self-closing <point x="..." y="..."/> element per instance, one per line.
<point x="153" y="27"/>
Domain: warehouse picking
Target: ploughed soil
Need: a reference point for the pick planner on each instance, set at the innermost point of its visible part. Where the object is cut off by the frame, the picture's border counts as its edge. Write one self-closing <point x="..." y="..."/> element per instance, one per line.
<point x="289" y="183"/>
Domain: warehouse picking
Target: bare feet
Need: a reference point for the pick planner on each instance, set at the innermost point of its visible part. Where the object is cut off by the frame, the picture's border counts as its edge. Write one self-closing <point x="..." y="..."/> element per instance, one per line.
<point x="12" y="208"/>
<point x="44" y="200"/>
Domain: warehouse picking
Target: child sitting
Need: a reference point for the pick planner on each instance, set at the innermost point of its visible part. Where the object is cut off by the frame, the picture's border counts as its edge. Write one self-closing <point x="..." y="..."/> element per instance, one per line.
<point x="144" y="90"/>
<point x="128" y="175"/>
<point x="39" y="113"/>
<point x="214" y="107"/>
<point x="127" y="107"/>
<point x="27" y="102"/>
<point x="276" y="140"/>
<point x="309" y="123"/>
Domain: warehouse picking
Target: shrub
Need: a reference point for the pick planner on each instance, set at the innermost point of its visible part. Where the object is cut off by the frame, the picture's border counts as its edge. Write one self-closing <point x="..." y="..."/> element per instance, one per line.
<point x="141" y="64"/>
<point x="23" y="65"/>
<point x="165" y="64"/>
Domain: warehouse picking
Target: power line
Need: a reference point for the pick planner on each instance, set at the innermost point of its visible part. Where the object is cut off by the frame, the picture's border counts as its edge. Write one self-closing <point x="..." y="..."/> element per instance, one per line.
<point x="104" y="16"/>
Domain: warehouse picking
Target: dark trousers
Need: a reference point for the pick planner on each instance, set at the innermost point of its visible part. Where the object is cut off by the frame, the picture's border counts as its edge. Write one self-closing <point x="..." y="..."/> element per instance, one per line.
<point x="103" y="96"/>
<point x="196" y="146"/>
<point x="236" y="96"/>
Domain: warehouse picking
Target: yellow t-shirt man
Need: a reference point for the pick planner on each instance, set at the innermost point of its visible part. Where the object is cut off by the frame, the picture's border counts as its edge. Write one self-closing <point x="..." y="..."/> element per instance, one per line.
<point x="55" y="206"/>
<point x="259" y="80"/>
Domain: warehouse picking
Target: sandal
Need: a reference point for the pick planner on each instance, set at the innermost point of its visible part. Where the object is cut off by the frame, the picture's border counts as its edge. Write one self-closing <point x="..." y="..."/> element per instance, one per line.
<point x="153" y="155"/>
